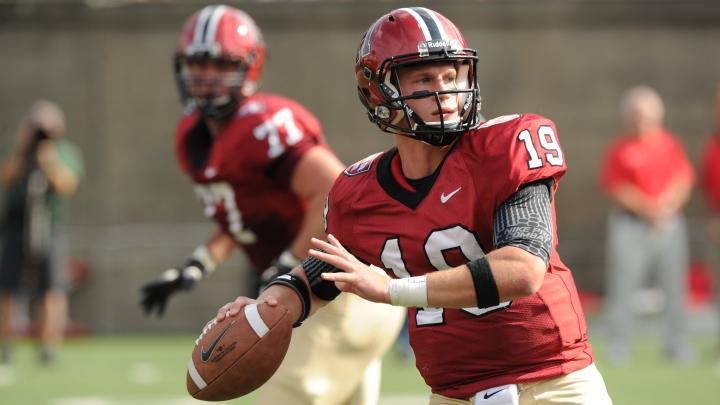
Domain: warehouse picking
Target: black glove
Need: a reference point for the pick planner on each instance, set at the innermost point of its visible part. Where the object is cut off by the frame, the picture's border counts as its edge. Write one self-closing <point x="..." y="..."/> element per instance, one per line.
<point x="283" y="264"/>
<point x="155" y="294"/>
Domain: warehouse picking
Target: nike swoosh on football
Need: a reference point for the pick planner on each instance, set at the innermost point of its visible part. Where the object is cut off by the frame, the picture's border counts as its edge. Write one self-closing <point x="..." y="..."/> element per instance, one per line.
<point x="486" y="396"/>
<point x="205" y="356"/>
<point x="444" y="198"/>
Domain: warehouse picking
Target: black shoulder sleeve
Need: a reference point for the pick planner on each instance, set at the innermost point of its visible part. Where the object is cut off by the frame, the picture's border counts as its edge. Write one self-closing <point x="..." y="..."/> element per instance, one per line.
<point x="525" y="220"/>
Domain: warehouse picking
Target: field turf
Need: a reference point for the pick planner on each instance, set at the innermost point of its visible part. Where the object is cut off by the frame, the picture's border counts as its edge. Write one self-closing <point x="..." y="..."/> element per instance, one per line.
<point x="142" y="369"/>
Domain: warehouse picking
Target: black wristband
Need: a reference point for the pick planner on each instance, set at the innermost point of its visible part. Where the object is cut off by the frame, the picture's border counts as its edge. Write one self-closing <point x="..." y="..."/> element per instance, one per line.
<point x="486" y="290"/>
<point x="323" y="289"/>
<point x="298" y="285"/>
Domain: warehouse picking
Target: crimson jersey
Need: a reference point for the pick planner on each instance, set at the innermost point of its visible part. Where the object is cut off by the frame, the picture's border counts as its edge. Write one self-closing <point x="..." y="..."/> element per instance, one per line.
<point x="242" y="176"/>
<point x="378" y="216"/>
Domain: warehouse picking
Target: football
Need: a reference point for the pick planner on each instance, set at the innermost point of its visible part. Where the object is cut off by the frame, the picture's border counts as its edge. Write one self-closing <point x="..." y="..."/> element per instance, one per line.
<point x="234" y="357"/>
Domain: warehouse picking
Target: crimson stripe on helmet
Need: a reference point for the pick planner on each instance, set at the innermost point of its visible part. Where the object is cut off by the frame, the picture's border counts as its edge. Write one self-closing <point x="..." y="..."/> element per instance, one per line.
<point x="365" y="49"/>
<point x="420" y="22"/>
<point x="432" y="24"/>
<point x="213" y="23"/>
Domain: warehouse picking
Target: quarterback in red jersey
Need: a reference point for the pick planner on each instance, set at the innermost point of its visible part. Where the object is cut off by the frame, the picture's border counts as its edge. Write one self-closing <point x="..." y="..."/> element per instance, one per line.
<point x="262" y="170"/>
<point x="457" y="223"/>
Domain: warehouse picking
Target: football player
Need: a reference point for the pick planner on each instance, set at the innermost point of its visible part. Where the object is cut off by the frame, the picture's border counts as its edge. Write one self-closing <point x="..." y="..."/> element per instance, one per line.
<point x="457" y="223"/>
<point x="262" y="170"/>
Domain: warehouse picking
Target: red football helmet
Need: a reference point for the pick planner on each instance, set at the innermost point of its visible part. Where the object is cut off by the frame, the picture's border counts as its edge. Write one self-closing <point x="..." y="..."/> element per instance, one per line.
<point x="407" y="37"/>
<point x="229" y="38"/>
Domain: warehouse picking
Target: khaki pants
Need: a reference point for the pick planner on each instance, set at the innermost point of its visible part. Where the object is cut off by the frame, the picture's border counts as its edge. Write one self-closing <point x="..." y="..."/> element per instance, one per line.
<point x="334" y="357"/>
<point x="582" y="387"/>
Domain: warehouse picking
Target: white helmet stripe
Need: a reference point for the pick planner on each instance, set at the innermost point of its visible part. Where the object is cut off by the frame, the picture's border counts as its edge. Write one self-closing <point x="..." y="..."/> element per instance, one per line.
<point x="201" y="26"/>
<point x="213" y="25"/>
<point x="438" y="24"/>
<point x="420" y="22"/>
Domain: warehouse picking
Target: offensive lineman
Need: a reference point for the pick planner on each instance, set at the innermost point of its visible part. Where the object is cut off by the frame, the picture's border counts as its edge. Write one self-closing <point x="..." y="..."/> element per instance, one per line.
<point x="262" y="169"/>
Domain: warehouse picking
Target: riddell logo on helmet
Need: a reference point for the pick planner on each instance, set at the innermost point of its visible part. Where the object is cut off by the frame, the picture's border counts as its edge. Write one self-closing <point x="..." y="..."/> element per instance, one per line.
<point x="426" y="47"/>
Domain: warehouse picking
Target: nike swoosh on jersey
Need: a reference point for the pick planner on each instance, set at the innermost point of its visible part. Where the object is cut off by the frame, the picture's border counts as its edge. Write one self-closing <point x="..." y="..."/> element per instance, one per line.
<point x="488" y="395"/>
<point x="205" y="355"/>
<point x="444" y="198"/>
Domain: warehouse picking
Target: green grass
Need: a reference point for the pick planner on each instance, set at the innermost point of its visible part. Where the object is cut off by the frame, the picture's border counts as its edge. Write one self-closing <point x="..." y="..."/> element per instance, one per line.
<point x="115" y="370"/>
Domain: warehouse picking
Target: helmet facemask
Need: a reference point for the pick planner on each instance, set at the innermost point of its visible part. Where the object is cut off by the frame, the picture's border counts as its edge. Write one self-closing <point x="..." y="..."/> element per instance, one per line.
<point x="396" y="116"/>
<point x="217" y="95"/>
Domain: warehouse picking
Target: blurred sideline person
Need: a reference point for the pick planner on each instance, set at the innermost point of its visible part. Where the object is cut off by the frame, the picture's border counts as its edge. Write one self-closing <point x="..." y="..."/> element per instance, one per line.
<point x="648" y="178"/>
<point x="710" y="155"/>
<point x="43" y="169"/>
<point x="457" y="223"/>
<point x="262" y="169"/>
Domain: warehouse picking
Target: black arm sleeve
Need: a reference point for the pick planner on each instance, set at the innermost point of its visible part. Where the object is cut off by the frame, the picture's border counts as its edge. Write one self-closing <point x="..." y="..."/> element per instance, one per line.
<point x="525" y="220"/>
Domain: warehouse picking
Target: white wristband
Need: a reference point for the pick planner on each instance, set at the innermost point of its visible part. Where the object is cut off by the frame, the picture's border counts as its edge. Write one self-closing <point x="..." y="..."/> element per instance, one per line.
<point x="288" y="259"/>
<point x="409" y="292"/>
<point x="202" y="254"/>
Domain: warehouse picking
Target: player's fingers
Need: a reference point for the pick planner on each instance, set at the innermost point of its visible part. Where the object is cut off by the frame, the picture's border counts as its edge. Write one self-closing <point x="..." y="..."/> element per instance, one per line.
<point x="333" y="241"/>
<point x="161" y="307"/>
<point x="222" y="312"/>
<point x="339" y="277"/>
<point x="332" y="259"/>
<point x="323" y="245"/>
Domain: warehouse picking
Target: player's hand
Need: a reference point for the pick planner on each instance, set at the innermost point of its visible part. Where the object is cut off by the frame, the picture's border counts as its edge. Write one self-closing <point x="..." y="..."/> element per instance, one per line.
<point x="156" y="294"/>
<point x="233" y="308"/>
<point x="368" y="282"/>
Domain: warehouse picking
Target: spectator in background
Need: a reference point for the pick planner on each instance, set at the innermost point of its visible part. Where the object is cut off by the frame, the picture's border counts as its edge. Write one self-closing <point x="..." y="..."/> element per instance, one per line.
<point x="711" y="187"/>
<point x="43" y="169"/>
<point x="648" y="177"/>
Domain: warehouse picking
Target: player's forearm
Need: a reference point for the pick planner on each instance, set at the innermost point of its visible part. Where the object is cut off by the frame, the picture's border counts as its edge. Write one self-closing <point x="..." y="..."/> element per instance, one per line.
<point x="311" y="181"/>
<point x="312" y="226"/>
<point x="220" y="245"/>
<point x="516" y="273"/>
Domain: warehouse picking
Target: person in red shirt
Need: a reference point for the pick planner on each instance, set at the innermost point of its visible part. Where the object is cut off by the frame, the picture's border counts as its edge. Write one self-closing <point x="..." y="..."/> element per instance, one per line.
<point x="261" y="168"/>
<point x="647" y="176"/>
<point x="711" y="187"/>
<point x="456" y="223"/>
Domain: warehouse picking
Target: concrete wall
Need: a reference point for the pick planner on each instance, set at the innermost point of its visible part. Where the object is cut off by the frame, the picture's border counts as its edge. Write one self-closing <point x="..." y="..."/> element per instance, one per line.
<point x="109" y="65"/>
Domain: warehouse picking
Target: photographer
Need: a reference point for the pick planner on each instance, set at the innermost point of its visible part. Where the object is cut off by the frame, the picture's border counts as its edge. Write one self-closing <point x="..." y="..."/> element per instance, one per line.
<point x="43" y="169"/>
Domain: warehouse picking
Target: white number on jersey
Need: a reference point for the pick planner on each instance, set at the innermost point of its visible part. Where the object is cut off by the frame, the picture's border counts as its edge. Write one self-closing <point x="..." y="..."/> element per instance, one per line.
<point x="548" y="141"/>
<point x="270" y="130"/>
<point x="436" y="243"/>
<point x="214" y="194"/>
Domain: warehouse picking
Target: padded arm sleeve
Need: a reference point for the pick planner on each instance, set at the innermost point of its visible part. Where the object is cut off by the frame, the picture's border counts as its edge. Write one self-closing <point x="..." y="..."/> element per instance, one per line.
<point x="525" y="220"/>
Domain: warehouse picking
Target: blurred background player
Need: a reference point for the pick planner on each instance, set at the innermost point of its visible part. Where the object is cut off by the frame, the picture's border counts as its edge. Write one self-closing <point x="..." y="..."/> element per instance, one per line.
<point x="461" y="215"/>
<point x="710" y="166"/>
<point x="43" y="169"/>
<point x="262" y="169"/>
<point x="648" y="178"/>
